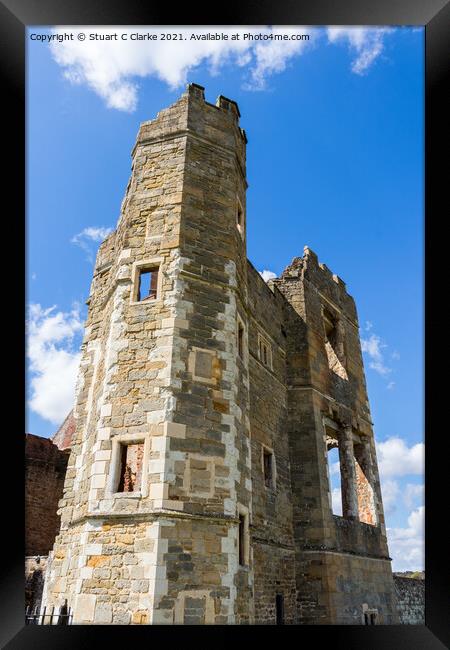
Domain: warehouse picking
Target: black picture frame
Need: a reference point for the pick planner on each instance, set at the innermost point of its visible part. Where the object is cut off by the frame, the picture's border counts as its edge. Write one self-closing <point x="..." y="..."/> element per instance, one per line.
<point x="15" y="16"/>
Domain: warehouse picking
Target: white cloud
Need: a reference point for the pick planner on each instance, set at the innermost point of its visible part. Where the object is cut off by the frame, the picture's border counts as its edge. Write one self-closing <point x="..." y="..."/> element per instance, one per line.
<point x="407" y="545"/>
<point x="373" y="347"/>
<point x="395" y="355"/>
<point x="395" y="458"/>
<point x="390" y="491"/>
<point x="112" y="69"/>
<point x="413" y="494"/>
<point x="365" y="42"/>
<point x="390" y="385"/>
<point x="274" y="56"/>
<point x="53" y="360"/>
<point x="89" y="236"/>
<point x="267" y="275"/>
<point x="368" y="325"/>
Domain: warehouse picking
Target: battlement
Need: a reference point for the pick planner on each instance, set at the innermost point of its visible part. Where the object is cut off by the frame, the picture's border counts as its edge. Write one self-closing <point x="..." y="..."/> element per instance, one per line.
<point x="308" y="268"/>
<point x="223" y="103"/>
<point x="191" y="112"/>
<point x="310" y="261"/>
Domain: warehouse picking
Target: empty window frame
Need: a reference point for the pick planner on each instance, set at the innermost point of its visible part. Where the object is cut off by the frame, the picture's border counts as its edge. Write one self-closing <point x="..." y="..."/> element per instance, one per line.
<point x="264" y="351"/>
<point x="350" y="474"/>
<point x="130" y="467"/>
<point x="243" y="539"/>
<point x="334" y="343"/>
<point x="364" y="483"/>
<point x="268" y="467"/>
<point x="334" y="477"/>
<point x="330" y="325"/>
<point x="240" y="218"/>
<point x="240" y="339"/>
<point x="147" y="283"/>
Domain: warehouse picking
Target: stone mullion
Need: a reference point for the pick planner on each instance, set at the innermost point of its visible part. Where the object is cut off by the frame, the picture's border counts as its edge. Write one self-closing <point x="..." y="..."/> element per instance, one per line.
<point x="348" y="474"/>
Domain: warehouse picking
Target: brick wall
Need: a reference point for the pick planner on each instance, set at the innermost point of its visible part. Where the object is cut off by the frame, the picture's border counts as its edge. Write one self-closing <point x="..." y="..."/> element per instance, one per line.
<point x="63" y="438"/>
<point x="45" y="468"/>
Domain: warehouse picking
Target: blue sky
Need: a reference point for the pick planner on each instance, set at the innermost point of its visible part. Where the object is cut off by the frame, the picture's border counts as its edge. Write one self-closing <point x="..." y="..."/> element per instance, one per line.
<point x="334" y="161"/>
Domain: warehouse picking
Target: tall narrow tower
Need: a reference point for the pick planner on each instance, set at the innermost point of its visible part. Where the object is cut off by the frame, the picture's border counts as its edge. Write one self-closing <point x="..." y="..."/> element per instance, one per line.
<point x="156" y="507"/>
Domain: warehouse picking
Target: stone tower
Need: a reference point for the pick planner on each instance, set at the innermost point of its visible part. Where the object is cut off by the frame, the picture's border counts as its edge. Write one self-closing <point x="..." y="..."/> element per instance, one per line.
<point x="343" y="570"/>
<point x="197" y="489"/>
<point x="159" y="477"/>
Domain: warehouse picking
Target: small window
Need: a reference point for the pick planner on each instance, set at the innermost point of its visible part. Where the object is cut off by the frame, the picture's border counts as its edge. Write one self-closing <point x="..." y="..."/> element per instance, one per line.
<point x="240" y="218"/>
<point x="279" y="607"/>
<point x="265" y="351"/>
<point x="334" y="477"/>
<point x="147" y="284"/>
<point x="330" y="326"/>
<point x="242" y="540"/>
<point x="268" y="467"/>
<point x="364" y="483"/>
<point x="130" y="475"/>
<point x="240" y="340"/>
<point x="334" y="344"/>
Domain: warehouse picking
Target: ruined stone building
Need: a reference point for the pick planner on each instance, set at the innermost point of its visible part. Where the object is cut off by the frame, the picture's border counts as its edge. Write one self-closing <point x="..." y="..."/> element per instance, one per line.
<point x="45" y="470"/>
<point x="198" y="487"/>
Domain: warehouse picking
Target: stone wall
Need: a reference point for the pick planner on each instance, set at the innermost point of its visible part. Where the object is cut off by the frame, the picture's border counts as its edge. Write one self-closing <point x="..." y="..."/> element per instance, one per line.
<point x="45" y="468"/>
<point x="271" y="531"/>
<point x="410" y="594"/>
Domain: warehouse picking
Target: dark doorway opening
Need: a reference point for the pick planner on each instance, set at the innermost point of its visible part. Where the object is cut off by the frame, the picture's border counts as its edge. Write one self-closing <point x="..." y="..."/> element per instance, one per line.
<point x="279" y="604"/>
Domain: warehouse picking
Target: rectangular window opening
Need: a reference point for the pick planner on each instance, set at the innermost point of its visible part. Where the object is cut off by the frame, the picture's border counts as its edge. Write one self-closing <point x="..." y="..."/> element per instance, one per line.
<point x="240" y="218"/>
<point x="279" y="607"/>
<point x="265" y="352"/>
<point x="364" y="488"/>
<point x="147" y="284"/>
<point x="240" y="340"/>
<point x="334" y="474"/>
<point x="268" y="467"/>
<point x="334" y="344"/>
<point x="242" y="540"/>
<point x="130" y="471"/>
<point x="330" y="329"/>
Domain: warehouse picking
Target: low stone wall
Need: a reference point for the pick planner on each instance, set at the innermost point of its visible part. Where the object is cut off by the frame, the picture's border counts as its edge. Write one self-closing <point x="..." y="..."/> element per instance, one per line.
<point x="411" y="600"/>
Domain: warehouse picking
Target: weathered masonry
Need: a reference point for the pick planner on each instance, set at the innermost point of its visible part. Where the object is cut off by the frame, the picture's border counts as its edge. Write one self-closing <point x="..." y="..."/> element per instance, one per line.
<point x="198" y="486"/>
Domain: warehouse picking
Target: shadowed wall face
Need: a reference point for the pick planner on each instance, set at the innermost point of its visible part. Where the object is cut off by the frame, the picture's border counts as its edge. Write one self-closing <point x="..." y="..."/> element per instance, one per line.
<point x="45" y="469"/>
